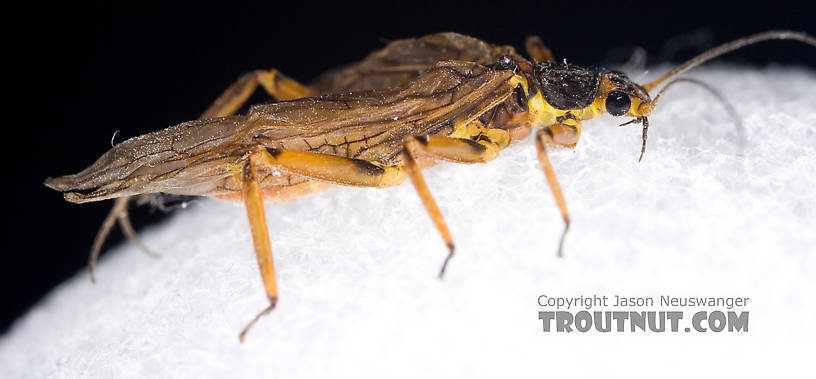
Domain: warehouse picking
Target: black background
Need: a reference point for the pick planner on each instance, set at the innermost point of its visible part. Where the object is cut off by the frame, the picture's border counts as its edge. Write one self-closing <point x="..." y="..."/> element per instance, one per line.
<point x="80" y="72"/>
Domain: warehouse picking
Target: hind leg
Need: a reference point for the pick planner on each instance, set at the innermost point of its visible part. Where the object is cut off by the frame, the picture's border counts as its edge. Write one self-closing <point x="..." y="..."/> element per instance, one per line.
<point x="278" y="86"/>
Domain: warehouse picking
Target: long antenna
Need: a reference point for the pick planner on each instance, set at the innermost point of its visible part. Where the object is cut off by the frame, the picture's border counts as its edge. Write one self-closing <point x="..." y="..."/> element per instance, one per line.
<point x="731" y="46"/>
<point x="740" y="129"/>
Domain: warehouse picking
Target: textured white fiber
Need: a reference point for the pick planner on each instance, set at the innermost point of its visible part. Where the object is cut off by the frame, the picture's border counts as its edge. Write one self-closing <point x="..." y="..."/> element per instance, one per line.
<point x="357" y="267"/>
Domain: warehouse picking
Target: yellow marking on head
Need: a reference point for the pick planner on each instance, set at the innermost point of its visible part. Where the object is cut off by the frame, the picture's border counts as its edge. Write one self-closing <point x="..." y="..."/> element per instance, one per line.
<point x="637" y="108"/>
<point x="645" y="109"/>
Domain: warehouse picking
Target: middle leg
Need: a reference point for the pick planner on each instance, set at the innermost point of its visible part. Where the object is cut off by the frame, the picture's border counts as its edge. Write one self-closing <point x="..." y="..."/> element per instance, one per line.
<point x="351" y="172"/>
<point x="450" y="149"/>
<point x="356" y="172"/>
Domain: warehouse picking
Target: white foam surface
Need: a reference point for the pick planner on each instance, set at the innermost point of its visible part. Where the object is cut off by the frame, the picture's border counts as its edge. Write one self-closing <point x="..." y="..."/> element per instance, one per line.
<point x="357" y="267"/>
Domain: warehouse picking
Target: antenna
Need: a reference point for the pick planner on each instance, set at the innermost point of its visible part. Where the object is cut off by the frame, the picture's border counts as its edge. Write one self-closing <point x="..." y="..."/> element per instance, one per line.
<point x="729" y="47"/>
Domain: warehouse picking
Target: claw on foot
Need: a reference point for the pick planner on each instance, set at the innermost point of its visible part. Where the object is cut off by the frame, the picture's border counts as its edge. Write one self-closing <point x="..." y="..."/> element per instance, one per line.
<point x="272" y="303"/>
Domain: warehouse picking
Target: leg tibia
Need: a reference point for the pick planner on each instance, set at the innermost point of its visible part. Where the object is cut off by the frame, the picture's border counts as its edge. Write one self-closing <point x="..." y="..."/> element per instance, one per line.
<point x="253" y="201"/>
<point x="257" y="223"/>
<point x="544" y="137"/>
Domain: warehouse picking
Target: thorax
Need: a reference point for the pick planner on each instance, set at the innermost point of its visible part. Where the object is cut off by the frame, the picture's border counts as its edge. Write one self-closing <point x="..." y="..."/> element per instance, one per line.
<point x="542" y="113"/>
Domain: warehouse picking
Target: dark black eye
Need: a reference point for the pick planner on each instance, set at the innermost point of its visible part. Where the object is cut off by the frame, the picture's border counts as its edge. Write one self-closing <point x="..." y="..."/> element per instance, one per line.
<point x="617" y="103"/>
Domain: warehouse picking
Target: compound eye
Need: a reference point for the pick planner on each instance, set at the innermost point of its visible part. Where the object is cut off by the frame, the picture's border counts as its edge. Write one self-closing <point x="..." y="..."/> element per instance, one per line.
<point x="617" y="103"/>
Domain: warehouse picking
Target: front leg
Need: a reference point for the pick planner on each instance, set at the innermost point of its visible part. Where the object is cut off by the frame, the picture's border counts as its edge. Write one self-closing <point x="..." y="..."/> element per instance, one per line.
<point x="460" y="150"/>
<point x="557" y="135"/>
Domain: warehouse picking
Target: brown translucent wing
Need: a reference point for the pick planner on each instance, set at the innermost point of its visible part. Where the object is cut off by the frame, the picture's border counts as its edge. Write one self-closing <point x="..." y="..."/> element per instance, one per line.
<point x="201" y="157"/>
<point x="144" y="163"/>
<point x="371" y="125"/>
<point x="401" y="61"/>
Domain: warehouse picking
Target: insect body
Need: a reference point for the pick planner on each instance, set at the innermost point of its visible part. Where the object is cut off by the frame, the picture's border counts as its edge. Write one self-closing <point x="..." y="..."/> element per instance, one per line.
<point x="442" y="97"/>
